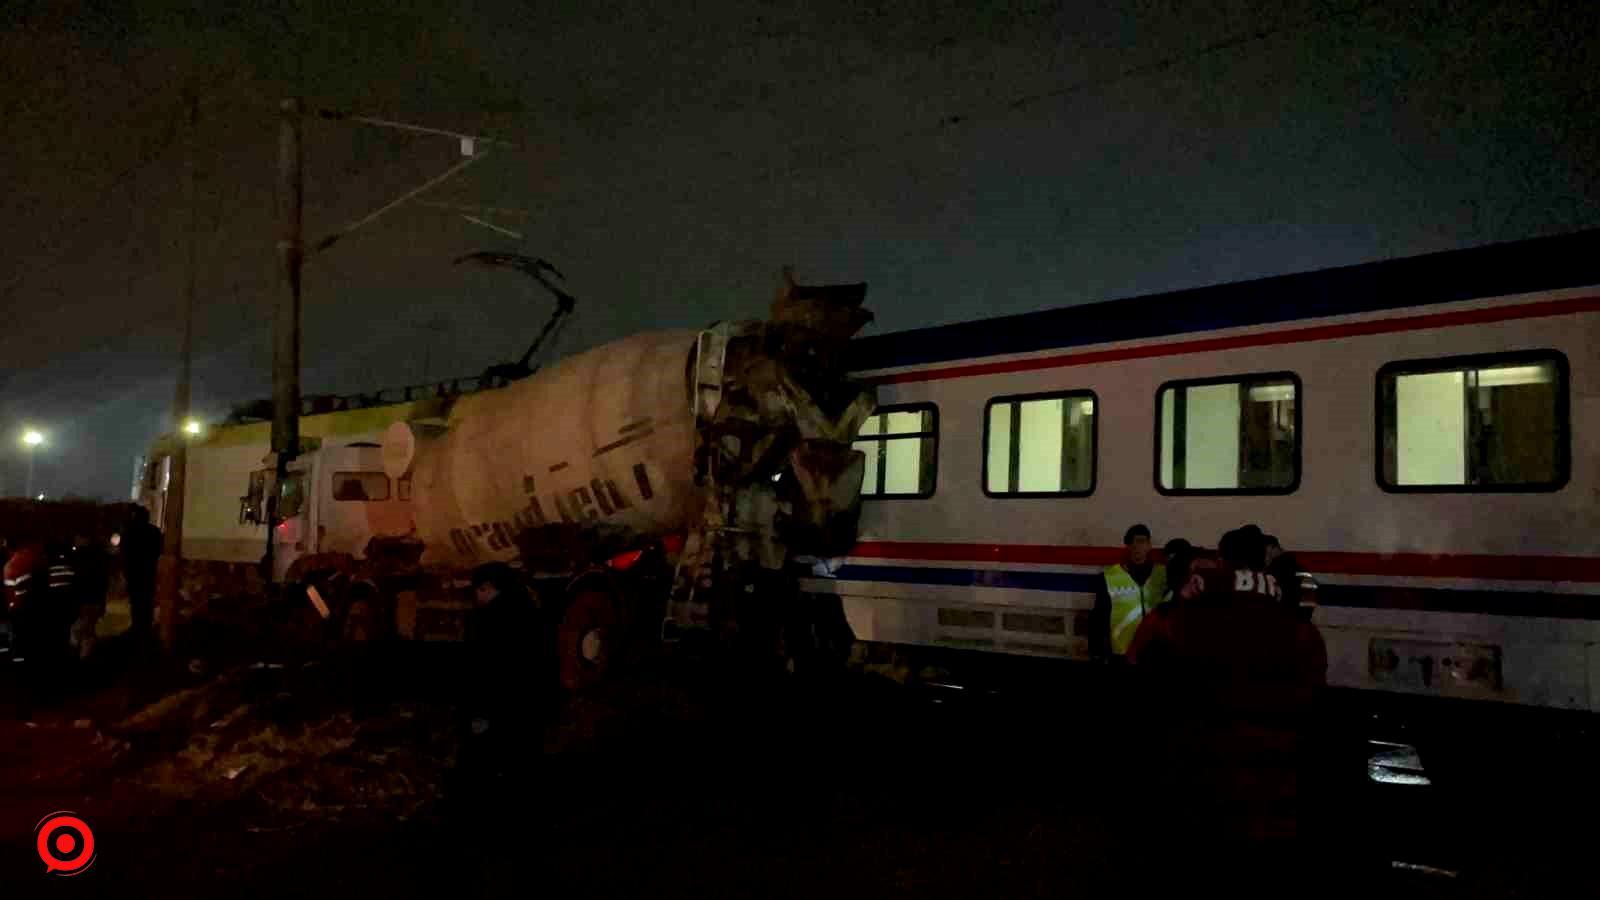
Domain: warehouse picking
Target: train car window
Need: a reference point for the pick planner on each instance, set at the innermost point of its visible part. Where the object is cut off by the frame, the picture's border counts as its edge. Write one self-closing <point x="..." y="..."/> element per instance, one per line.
<point x="1483" y="423"/>
<point x="1040" y="445"/>
<point x="902" y="448"/>
<point x="360" y="486"/>
<point x="1234" y="435"/>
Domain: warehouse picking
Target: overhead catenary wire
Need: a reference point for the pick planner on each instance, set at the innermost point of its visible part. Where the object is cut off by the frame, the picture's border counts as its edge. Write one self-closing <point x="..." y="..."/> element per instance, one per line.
<point x="492" y="227"/>
<point x="963" y="118"/>
<point x="168" y="316"/>
<point x="426" y="186"/>
<point x="943" y="124"/>
<point x="475" y="208"/>
<point x="949" y="122"/>
<point x="343" y="116"/>
<point x="165" y="267"/>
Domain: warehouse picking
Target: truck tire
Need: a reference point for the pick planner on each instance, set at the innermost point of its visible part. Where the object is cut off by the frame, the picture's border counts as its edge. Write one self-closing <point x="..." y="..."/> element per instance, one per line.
<point x="368" y="614"/>
<point x="587" y="639"/>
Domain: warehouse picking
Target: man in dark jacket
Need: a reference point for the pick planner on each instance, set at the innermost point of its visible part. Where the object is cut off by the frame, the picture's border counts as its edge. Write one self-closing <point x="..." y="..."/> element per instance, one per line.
<point x="512" y="676"/>
<point x="1232" y="675"/>
<point x="141" y="550"/>
<point x="507" y="701"/>
<point x="88" y="561"/>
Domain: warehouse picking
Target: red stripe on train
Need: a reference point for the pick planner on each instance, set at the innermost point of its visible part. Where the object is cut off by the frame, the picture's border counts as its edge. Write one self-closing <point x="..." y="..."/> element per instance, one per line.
<point x="1454" y="565"/>
<point x="1288" y="336"/>
<point x="1329" y="562"/>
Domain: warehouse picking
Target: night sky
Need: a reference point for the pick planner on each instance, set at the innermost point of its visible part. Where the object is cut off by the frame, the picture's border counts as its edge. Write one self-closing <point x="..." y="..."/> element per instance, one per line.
<point x="964" y="159"/>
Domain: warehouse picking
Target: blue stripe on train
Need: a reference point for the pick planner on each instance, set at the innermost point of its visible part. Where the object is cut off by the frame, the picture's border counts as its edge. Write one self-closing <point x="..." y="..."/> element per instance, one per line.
<point x="1539" y="264"/>
<point x="1080" y="582"/>
<point x="1452" y="600"/>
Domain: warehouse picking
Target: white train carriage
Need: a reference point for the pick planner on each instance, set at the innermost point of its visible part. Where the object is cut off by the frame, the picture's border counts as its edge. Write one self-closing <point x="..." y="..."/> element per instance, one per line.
<point x="1424" y="433"/>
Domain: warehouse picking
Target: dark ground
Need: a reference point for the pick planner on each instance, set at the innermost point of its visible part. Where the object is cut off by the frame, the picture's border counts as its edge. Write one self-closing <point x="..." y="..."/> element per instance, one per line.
<point x="334" y="775"/>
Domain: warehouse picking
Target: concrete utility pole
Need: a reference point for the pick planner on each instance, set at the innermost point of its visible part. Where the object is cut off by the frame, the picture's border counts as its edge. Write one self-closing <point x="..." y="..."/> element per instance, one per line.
<point x="292" y="247"/>
<point x="169" y="575"/>
<point x="286" y="321"/>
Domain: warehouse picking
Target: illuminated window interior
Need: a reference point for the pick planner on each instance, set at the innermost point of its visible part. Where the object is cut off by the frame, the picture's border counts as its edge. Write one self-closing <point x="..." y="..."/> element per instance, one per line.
<point x="1229" y="436"/>
<point x="901" y="445"/>
<point x="1040" y="446"/>
<point x="1466" y="426"/>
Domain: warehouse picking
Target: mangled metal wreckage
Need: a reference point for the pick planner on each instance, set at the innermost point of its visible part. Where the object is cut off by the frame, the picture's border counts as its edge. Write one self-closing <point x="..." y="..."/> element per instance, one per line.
<point x="666" y="484"/>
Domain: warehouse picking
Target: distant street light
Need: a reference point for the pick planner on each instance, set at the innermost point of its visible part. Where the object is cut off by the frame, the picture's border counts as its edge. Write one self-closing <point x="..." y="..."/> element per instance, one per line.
<point x="191" y="427"/>
<point x="32" y="440"/>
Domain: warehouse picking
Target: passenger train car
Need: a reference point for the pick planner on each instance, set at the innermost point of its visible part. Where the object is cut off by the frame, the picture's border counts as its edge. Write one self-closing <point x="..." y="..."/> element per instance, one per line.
<point x="1423" y="433"/>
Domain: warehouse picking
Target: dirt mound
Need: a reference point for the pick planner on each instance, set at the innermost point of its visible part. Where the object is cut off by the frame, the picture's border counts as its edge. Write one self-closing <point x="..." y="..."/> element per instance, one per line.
<point x="287" y="741"/>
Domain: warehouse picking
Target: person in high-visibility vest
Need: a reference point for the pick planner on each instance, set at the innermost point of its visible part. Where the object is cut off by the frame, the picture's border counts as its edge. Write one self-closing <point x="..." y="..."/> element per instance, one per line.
<point x="1126" y="592"/>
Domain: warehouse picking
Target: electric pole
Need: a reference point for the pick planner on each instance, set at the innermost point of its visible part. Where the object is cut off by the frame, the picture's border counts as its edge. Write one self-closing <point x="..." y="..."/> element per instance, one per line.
<point x="286" y="321"/>
<point x="170" y="568"/>
<point x="293" y="251"/>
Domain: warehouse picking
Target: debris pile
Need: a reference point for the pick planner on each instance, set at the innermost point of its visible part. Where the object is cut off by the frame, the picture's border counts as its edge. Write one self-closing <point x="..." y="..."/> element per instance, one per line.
<point x="287" y="743"/>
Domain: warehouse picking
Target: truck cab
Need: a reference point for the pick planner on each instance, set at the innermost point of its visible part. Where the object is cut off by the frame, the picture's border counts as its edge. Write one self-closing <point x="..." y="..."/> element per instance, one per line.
<point x="334" y="500"/>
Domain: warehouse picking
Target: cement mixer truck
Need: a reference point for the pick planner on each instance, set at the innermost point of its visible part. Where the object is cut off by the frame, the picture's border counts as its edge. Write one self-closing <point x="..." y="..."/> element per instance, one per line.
<point x="664" y="487"/>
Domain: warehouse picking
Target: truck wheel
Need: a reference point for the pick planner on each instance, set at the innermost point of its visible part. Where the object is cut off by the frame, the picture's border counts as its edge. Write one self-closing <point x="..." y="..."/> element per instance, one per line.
<point x="367" y="616"/>
<point x="586" y="639"/>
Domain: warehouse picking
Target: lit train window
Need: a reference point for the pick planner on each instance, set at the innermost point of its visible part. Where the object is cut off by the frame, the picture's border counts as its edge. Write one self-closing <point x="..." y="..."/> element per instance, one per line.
<point x="1236" y="435"/>
<point x="1490" y="423"/>
<point x="1041" y="445"/>
<point x="902" y="448"/>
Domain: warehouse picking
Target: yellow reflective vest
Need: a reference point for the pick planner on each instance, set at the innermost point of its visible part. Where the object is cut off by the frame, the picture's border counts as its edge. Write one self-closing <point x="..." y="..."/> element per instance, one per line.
<point x="1130" y="601"/>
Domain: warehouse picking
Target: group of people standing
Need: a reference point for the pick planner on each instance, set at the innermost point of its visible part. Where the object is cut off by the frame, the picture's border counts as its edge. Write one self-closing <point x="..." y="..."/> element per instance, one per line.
<point x="1136" y="586"/>
<point x="55" y="590"/>
<point x="1230" y="667"/>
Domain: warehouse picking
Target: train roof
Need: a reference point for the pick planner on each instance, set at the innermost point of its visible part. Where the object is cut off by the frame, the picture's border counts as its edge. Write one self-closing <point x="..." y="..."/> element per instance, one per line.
<point x="315" y="428"/>
<point x="1538" y="264"/>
